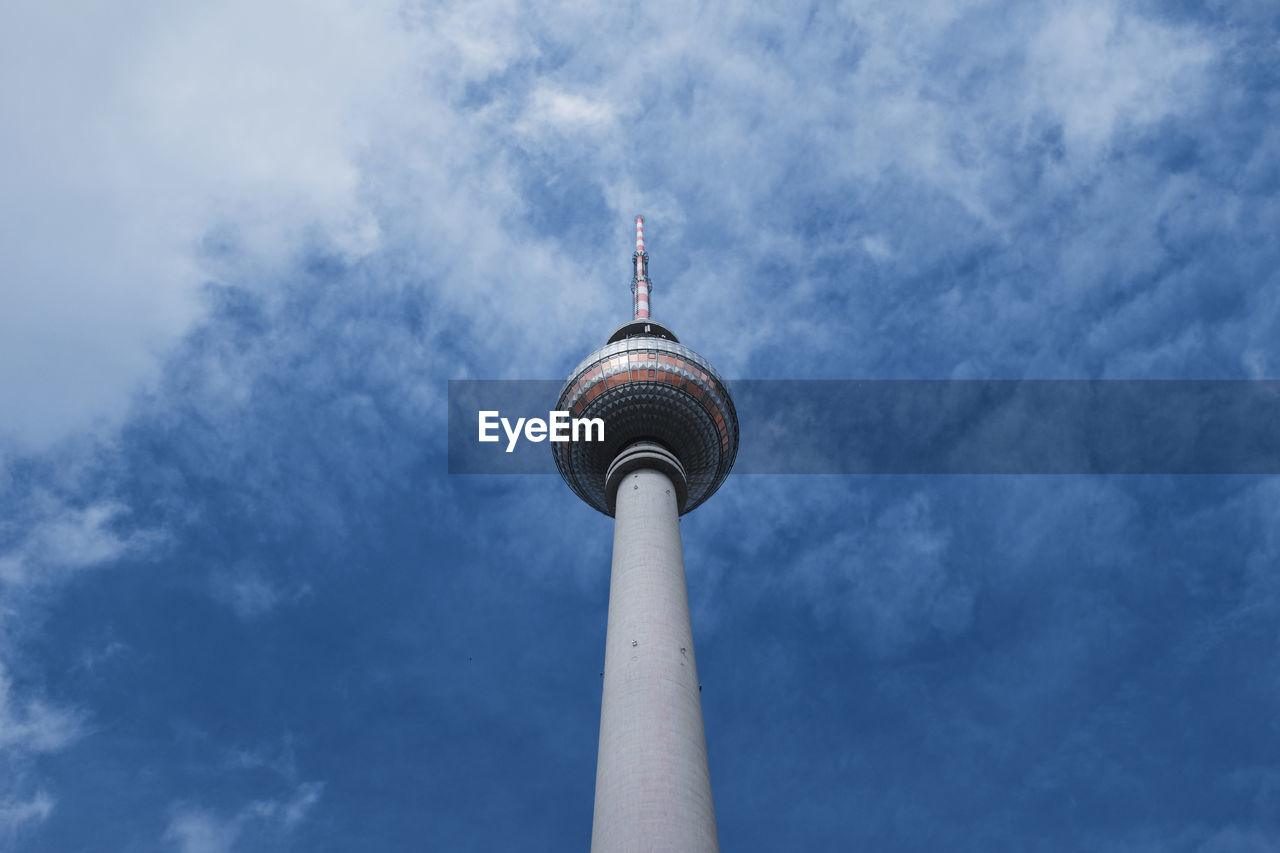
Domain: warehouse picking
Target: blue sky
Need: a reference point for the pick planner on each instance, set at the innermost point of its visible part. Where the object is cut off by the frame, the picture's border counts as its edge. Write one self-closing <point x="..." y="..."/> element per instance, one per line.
<point x="245" y="246"/>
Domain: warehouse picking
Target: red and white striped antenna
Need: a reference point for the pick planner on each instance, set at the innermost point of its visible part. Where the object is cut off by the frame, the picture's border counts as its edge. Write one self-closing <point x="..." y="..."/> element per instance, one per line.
<point x="640" y="285"/>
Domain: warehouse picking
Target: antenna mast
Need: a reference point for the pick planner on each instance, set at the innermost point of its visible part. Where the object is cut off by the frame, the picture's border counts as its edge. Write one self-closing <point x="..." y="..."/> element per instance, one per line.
<point x="640" y="285"/>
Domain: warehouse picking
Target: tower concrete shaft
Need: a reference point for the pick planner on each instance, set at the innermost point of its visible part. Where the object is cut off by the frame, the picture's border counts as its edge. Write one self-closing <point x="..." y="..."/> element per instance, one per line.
<point x="653" y="786"/>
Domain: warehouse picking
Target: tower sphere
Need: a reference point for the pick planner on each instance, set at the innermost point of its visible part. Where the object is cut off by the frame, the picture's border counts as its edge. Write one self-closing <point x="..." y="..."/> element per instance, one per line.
<point x="648" y="388"/>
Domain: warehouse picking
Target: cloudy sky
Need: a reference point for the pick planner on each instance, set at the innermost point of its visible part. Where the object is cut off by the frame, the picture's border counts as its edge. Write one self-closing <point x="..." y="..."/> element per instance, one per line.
<point x="245" y="245"/>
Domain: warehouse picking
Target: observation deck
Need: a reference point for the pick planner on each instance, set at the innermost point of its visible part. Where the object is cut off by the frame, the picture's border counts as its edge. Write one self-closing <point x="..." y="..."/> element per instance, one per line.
<point x="648" y="387"/>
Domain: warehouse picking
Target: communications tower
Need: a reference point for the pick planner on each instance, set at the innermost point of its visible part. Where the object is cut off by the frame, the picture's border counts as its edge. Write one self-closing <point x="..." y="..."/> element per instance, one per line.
<point x="671" y="435"/>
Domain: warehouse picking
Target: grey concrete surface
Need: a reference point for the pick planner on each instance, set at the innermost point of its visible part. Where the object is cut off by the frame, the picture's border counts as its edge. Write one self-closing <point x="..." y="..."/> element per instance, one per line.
<point x="653" y="787"/>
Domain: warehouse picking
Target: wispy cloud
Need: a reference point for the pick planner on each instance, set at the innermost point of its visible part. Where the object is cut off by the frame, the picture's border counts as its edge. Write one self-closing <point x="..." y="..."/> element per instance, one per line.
<point x="63" y="539"/>
<point x="1098" y="68"/>
<point x="17" y="814"/>
<point x="32" y="725"/>
<point x="193" y="829"/>
<point x="567" y="113"/>
<point x="251" y="594"/>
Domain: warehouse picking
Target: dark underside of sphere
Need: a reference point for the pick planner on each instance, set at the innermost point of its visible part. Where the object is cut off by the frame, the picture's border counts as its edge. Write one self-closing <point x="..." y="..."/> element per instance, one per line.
<point x="648" y="389"/>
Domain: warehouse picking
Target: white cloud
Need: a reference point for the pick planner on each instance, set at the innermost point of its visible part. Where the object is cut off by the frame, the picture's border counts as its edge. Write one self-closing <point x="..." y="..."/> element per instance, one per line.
<point x="475" y="41"/>
<point x="188" y="133"/>
<point x="288" y="813"/>
<point x="32" y="725"/>
<point x="281" y="760"/>
<point x="62" y="539"/>
<point x="147" y="127"/>
<point x="252" y="593"/>
<point x="16" y="814"/>
<point x="54" y="542"/>
<point x="877" y="247"/>
<point x="193" y="829"/>
<point x="1094" y="68"/>
<point x="566" y="112"/>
